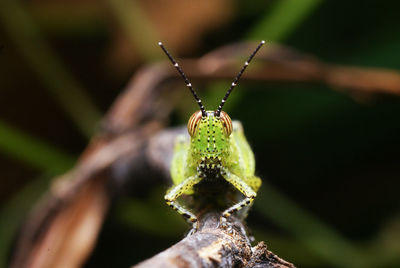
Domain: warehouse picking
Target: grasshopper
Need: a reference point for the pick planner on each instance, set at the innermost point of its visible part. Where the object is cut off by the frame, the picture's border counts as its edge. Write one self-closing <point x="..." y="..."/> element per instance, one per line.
<point x="217" y="156"/>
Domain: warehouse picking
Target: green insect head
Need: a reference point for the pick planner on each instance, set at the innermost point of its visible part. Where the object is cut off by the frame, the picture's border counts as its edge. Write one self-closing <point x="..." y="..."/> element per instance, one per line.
<point x="209" y="134"/>
<point x="210" y="130"/>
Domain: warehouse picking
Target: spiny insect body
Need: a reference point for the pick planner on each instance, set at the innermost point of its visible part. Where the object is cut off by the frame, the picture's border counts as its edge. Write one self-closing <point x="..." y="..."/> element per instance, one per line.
<point x="217" y="153"/>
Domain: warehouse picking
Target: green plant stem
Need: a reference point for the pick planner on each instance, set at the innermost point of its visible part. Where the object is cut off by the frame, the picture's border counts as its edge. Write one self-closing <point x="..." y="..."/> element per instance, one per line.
<point x="137" y="27"/>
<point x="309" y="230"/>
<point x="33" y="151"/>
<point x="44" y="62"/>
<point x="283" y="19"/>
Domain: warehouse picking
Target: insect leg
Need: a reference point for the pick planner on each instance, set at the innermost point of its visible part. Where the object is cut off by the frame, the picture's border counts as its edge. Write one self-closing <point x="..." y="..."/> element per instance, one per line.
<point x="176" y="191"/>
<point x="244" y="188"/>
<point x="255" y="183"/>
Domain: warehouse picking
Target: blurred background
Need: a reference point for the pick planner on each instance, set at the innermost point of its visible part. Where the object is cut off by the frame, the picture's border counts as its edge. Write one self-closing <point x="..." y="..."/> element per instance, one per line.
<point x="329" y="160"/>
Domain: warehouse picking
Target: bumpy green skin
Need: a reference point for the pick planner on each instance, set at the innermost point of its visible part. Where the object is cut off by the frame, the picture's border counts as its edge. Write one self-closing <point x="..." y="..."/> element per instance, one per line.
<point x="212" y="151"/>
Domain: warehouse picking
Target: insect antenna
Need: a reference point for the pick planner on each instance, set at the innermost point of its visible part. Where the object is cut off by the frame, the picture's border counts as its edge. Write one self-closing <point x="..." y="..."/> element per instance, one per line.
<point x="234" y="83"/>
<point x="188" y="84"/>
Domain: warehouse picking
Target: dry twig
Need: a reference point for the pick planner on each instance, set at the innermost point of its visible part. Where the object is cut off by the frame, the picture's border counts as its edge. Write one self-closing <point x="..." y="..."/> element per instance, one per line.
<point x="212" y="246"/>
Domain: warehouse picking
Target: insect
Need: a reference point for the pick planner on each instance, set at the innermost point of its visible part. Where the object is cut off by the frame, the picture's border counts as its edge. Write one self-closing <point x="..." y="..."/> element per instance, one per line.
<point x="217" y="156"/>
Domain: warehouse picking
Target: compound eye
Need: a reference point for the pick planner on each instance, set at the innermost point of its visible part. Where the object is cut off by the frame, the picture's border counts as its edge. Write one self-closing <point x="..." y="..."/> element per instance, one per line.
<point x="226" y="123"/>
<point x="193" y="123"/>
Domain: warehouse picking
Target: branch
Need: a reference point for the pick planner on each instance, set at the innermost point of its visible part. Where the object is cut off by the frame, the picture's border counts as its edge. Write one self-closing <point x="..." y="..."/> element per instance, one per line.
<point x="280" y="63"/>
<point x="213" y="246"/>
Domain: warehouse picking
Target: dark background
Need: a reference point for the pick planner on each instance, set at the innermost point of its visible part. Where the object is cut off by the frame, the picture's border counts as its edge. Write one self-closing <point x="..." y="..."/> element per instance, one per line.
<point x="329" y="160"/>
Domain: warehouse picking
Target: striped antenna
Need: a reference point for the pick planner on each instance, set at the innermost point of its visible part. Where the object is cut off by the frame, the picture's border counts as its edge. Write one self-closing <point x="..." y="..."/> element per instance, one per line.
<point x="188" y="84"/>
<point x="234" y="83"/>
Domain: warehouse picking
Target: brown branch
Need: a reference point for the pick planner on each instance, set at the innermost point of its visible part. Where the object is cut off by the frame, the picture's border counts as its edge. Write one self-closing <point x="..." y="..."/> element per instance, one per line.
<point x="279" y="63"/>
<point x="125" y="146"/>
<point x="213" y="246"/>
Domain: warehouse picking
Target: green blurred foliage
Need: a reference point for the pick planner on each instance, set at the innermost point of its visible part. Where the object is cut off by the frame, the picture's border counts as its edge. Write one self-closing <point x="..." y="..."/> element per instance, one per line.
<point x="329" y="160"/>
